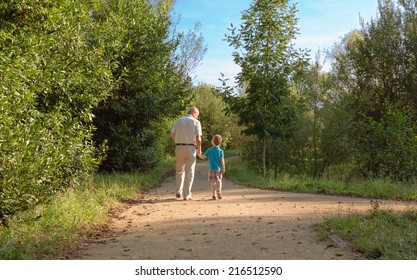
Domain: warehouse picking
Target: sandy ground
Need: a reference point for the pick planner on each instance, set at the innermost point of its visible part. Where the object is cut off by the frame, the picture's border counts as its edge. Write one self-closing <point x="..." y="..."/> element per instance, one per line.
<point x="247" y="224"/>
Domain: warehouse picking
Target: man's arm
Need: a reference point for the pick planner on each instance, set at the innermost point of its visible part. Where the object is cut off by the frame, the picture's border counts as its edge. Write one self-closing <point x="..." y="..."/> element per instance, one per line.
<point x="198" y="144"/>
<point x="172" y="135"/>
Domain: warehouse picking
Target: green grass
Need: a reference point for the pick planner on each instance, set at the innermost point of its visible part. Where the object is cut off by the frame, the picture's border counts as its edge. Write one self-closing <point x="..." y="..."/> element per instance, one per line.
<point x="376" y="188"/>
<point x="53" y="229"/>
<point x="379" y="234"/>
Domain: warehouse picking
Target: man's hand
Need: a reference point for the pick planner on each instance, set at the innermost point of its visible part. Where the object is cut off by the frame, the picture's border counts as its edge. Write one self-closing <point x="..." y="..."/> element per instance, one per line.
<point x="202" y="156"/>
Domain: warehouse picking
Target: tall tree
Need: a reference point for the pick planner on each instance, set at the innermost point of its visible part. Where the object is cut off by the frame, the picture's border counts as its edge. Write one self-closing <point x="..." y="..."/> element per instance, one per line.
<point x="152" y="87"/>
<point x="264" y="52"/>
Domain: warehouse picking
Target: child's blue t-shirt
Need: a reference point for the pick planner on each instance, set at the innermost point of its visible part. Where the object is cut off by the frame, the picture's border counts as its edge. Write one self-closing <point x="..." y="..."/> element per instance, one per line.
<point x="214" y="155"/>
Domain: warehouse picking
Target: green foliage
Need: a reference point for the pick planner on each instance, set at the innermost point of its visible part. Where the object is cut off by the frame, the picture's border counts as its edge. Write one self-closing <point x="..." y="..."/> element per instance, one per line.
<point x="151" y="89"/>
<point x="377" y="67"/>
<point x="65" y="63"/>
<point x="359" y="118"/>
<point x="337" y="131"/>
<point x="301" y="153"/>
<point x="391" y="146"/>
<point x="51" y="77"/>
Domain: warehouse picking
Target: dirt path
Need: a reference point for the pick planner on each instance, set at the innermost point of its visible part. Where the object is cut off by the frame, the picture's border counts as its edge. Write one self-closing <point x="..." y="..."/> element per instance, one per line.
<point x="246" y="224"/>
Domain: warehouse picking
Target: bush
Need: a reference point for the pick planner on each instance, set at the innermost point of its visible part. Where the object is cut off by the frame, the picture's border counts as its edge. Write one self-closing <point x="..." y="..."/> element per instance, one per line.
<point x="390" y="147"/>
<point x="51" y="77"/>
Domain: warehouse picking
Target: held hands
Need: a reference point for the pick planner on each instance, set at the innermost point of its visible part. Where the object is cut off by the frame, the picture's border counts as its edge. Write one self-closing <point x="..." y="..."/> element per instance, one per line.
<point x="198" y="149"/>
<point x="204" y="157"/>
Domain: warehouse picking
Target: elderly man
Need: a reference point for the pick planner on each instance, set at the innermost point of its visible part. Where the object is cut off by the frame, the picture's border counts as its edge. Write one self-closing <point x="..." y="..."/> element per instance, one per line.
<point x="186" y="132"/>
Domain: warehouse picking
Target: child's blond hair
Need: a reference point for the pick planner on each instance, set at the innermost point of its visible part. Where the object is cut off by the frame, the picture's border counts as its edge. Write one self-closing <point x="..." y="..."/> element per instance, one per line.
<point x="217" y="139"/>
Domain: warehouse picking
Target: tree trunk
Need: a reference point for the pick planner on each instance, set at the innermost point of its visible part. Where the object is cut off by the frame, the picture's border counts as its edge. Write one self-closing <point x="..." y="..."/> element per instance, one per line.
<point x="264" y="156"/>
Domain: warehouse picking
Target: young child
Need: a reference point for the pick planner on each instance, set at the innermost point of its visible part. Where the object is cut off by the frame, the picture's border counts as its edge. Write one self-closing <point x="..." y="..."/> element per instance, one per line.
<point x="216" y="166"/>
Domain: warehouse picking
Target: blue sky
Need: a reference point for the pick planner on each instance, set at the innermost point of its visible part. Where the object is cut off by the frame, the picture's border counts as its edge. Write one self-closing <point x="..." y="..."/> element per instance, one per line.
<point x="321" y="23"/>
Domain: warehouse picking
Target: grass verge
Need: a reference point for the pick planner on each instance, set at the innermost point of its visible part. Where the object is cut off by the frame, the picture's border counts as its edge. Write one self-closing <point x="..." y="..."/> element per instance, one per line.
<point x="53" y="229"/>
<point x="240" y="173"/>
<point x="379" y="234"/>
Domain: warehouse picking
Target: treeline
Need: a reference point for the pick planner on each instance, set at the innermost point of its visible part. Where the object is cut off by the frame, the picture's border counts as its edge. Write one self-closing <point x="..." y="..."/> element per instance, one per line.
<point x="360" y="118"/>
<point x="356" y="120"/>
<point x="86" y="85"/>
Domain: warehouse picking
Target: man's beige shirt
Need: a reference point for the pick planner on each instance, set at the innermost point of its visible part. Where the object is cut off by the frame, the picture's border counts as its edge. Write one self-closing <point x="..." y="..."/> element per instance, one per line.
<point x="186" y="129"/>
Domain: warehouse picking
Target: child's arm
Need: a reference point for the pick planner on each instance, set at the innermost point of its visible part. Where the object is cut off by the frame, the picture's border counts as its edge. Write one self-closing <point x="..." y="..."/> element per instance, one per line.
<point x="223" y="165"/>
<point x="202" y="156"/>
